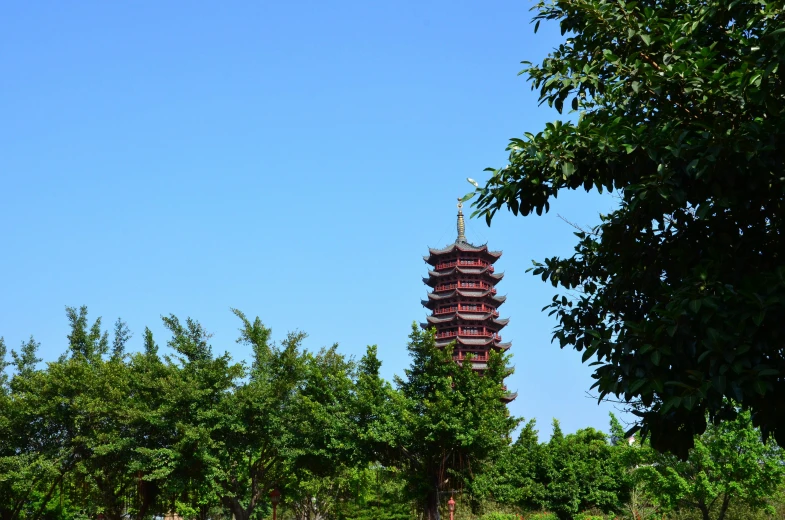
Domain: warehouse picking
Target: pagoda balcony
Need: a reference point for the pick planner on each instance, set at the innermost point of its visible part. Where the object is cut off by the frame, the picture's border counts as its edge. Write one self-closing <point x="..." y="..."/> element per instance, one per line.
<point x="464" y="263"/>
<point x="472" y="263"/>
<point x="475" y="357"/>
<point x="467" y="308"/>
<point x="468" y="332"/>
<point x="446" y="265"/>
<point x="465" y="285"/>
<point x="450" y="334"/>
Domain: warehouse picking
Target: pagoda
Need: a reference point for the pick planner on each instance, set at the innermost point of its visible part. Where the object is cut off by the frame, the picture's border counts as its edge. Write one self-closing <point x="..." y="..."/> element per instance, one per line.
<point x="463" y="300"/>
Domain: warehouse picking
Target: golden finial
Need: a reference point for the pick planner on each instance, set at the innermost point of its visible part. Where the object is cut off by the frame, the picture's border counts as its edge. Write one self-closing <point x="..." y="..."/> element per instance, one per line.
<point x="461" y="223"/>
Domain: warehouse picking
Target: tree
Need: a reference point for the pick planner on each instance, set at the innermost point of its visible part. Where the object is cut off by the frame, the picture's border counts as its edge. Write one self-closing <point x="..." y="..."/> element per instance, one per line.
<point x="681" y="289"/>
<point x="150" y="383"/>
<point x="197" y="410"/>
<point x="25" y="472"/>
<point x="728" y="465"/>
<point x="582" y="471"/>
<point x="454" y="422"/>
<point x="515" y="477"/>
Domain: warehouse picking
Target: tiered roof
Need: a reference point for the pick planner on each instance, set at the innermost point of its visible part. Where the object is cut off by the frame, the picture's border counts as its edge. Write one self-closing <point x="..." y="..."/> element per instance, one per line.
<point x="485" y="272"/>
<point x="489" y="296"/>
<point x="462" y="247"/>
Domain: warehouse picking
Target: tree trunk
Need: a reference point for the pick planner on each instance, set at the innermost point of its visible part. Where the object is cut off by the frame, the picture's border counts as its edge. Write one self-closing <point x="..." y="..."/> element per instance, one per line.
<point x="149" y="493"/>
<point x="432" y="502"/>
<point x="237" y="509"/>
<point x="724" y="508"/>
<point x="704" y="511"/>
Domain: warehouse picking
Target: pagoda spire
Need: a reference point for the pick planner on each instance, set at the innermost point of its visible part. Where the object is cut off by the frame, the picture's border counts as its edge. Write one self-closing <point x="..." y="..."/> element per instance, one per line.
<point x="461" y="225"/>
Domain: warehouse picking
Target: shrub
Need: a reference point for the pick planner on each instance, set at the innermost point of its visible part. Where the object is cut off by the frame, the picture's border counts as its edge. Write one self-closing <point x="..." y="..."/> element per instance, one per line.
<point x="588" y="516"/>
<point x="544" y="515"/>
<point x="500" y="516"/>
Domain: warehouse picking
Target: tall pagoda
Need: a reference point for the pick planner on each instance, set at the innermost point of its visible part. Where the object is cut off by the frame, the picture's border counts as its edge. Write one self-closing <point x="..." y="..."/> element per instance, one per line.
<point x="463" y="300"/>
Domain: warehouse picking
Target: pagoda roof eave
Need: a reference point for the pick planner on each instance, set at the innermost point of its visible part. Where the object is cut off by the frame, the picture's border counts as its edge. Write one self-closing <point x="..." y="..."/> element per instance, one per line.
<point x="463" y="341"/>
<point x="466" y="294"/>
<point x="468" y="317"/>
<point x="464" y="246"/>
<point x="434" y="254"/>
<point x="467" y="270"/>
<point x="434" y="298"/>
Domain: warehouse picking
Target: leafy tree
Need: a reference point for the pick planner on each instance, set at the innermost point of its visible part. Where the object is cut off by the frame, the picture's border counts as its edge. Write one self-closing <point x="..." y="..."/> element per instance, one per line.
<point x="150" y="382"/>
<point x="514" y="477"/>
<point x="23" y="472"/>
<point x="729" y="464"/>
<point x="681" y="289"/>
<point x="582" y="472"/>
<point x="454" y="422"/>
<point x="257" y="433"/>
<point x="197" y="410"/>
<point x="377" y="412"/>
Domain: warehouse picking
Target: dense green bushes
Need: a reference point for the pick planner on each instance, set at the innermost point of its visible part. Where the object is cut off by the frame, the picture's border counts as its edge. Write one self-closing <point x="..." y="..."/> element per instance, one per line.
<point x="136" y="435"/>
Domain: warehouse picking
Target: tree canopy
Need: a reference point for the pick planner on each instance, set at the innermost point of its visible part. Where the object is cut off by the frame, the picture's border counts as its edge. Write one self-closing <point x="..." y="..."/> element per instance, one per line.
<point x="678" y="295"/>
<point x="187" y="430"/>
<point x="728" y="465"/>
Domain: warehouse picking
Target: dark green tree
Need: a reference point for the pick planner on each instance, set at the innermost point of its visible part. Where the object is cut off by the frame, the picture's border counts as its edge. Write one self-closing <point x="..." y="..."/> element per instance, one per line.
<point x="582" y="472"/>
<point x="729" y="465"/>
<point x="679" y="293"/>
<point x="197" y="410"/>
<point x="514" y="478"/>
<point x="454" y="422"/>
<point x="151" y="383"/>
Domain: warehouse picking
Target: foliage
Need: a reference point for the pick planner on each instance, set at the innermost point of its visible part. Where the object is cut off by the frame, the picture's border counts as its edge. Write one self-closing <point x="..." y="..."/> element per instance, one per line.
<point x="582" y="472"/>
<point x="682" y="287"/>
<point x="454" y="422"/>
<point x="499" y="516"/>
<point x="729" y="464"/>
<point x="101" y="431"/>
<point x="542" y="516"/>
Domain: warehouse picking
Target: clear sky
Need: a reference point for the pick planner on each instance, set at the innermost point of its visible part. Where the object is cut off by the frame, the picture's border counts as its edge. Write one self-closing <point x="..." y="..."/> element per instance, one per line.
<point x="291" y="159"/>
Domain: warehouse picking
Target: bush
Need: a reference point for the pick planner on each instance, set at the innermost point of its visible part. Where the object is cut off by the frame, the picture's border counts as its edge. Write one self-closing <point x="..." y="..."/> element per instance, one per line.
<point x="499" y="516"/>
<point x="588" y="516"/>
<point x="544" y="515"/>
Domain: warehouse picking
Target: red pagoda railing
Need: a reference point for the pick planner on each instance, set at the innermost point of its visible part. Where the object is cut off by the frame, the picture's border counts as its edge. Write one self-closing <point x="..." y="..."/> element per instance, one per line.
<point x="474" y="332"/>
<point x="475" y="357"/>
<point x="446" y="287"/>
<point x="465" y="285"/>
<point x="467" y="308"/>
<point x="468" y="332"/>
<point x="473" y="263"/>
<point x="463" y="332"/>
<point x="464" y="263"/>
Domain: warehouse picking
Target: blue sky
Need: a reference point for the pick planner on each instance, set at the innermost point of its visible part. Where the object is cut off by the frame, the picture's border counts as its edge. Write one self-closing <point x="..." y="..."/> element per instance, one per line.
<point x="291" y="159"/>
